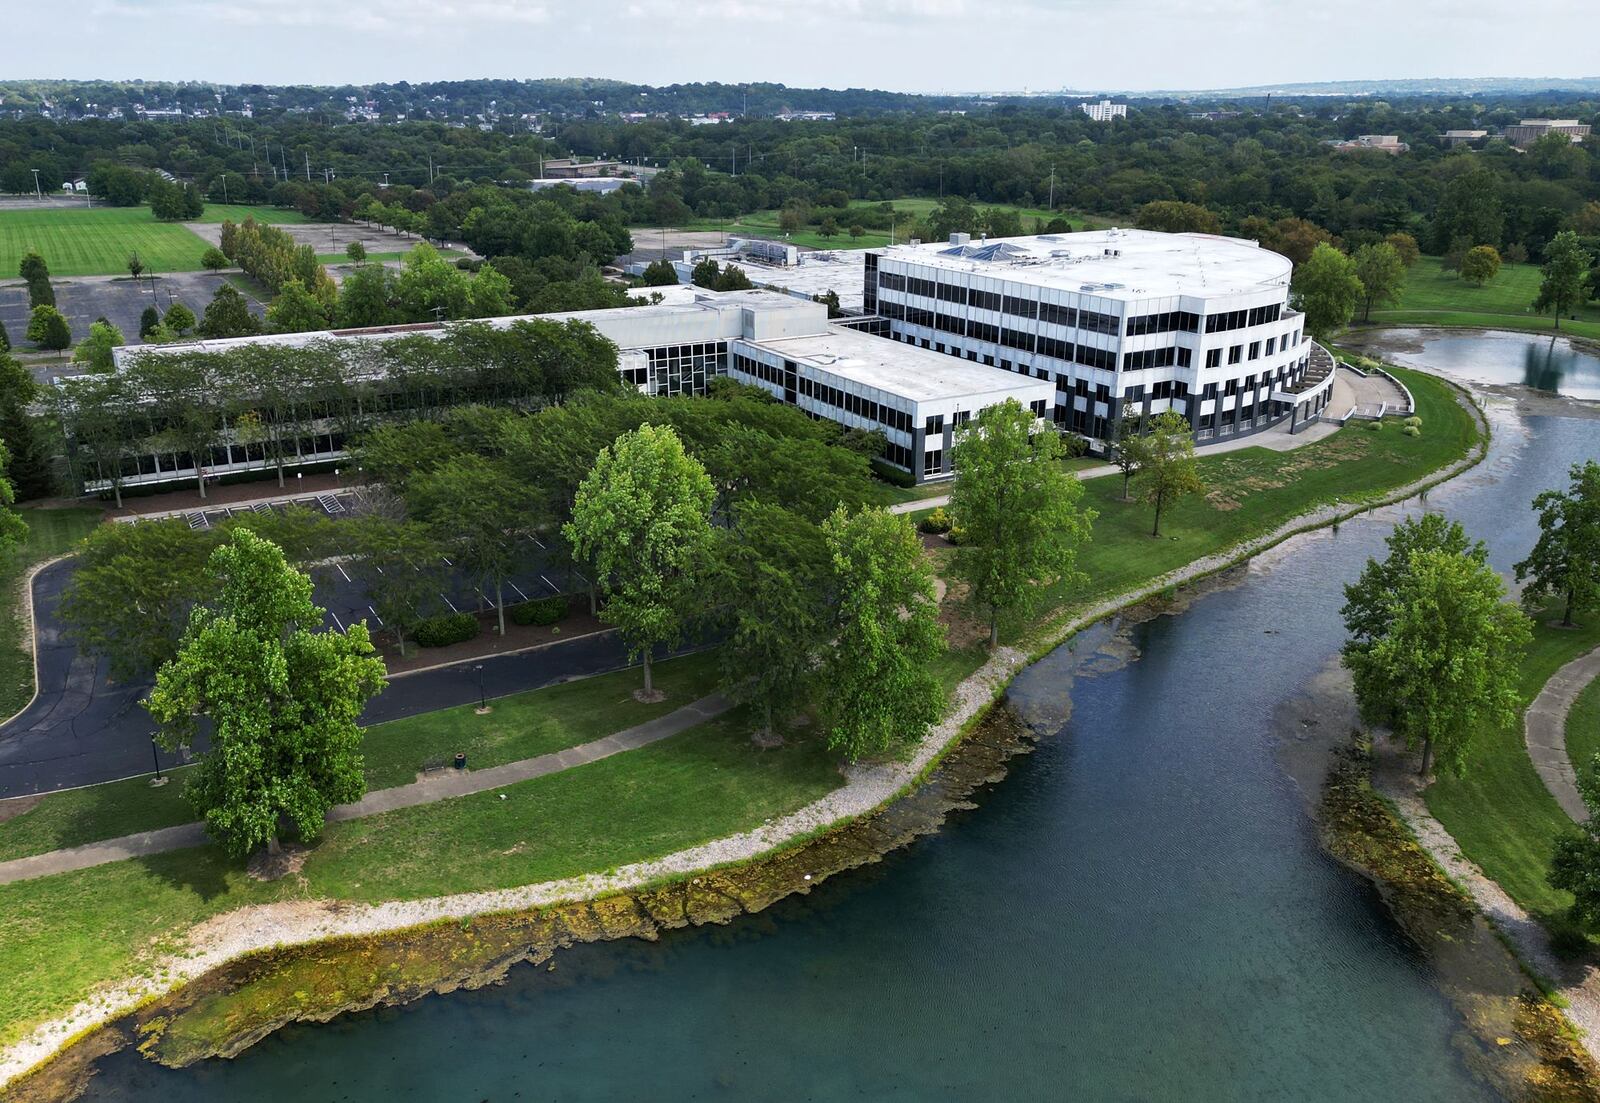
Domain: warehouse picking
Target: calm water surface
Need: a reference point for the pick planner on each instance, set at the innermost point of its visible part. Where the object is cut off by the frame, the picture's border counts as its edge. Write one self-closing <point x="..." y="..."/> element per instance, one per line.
<point x="1141" y="911"/>
<point x="1544" y="363"/>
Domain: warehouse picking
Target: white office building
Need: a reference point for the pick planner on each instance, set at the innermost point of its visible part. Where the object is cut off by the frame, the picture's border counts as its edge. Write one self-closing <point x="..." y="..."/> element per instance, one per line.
<point x="1104" y="111"/>
<point x="1114" y="320"/>
<point x="783" y="344"/>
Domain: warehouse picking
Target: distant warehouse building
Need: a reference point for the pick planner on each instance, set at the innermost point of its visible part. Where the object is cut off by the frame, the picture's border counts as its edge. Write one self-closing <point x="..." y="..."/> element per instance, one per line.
<point x="1528" y="131"/>
<point x="1114" y="320"/>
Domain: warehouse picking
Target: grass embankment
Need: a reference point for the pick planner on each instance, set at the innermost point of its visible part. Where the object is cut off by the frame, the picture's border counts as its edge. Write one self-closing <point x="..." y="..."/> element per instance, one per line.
<point x="764" y="224"/>
<point x="81" y="241"/>
<point x="1500" y="813"/>
<point x="51" y="532"/>
<point x="64" y="934"/>
<point x="1433" y="297"/>
<point x="1583" y="727"/>
<point x="70" y="932"/>
<point x="1255" y="490"/>
<point x="522" y="725"/>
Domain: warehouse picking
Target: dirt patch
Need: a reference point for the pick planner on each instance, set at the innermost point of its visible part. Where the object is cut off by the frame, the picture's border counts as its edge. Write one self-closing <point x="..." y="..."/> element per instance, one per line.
<point x="12" y="807"/>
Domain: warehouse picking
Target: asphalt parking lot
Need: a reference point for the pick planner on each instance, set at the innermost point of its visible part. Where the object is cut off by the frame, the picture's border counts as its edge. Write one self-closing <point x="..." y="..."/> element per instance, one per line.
<point x="119" y="300"/>
<point x="83" y="728"/>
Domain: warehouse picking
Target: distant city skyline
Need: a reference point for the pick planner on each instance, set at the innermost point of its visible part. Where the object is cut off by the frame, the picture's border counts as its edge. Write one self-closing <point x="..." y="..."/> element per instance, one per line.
<point x="929" y="46"/>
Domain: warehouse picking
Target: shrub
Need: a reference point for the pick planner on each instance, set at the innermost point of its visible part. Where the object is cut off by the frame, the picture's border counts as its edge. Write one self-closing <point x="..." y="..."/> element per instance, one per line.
<point x="956" y="535"/>
<point x="891" y="474"/>
<point x="1374" y="426"/>
<point x="1413" y="421"/>
<point x="936" y="522"/>
<point x="544" y="610"/>
<point x="1412" y="430"/>
<point x="446" y="629"/>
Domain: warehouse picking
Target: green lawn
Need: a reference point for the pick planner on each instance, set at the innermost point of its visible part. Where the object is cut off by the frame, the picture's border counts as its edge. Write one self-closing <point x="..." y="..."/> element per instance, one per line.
<point x="82" y="242"/>
<point x="1432" y="296"/>
<point x="97" y="241"/>
<point x="522" y="725"/>
<point x="51" y="532"/>
<point x="64" y="934"/>
<point x="1500" y="813"/>
<point x="1583" y="727"/>
<point x="1256" y="489"/>
<point x="238" y="212"/>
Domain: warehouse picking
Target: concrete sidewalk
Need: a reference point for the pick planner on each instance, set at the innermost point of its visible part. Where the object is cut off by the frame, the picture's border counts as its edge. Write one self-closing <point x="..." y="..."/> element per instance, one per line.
<point x="442" y="786"/>
<point x="1545" y="729"/>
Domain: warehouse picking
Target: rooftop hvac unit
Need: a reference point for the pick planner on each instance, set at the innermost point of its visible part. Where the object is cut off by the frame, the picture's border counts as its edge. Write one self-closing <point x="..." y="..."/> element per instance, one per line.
<point x="960" y="239"/>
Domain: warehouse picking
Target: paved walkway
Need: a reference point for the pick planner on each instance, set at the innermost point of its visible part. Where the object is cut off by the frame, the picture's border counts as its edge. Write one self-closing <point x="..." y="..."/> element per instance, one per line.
<point x="1545" y="728"/>
<point x="441" y="786"/>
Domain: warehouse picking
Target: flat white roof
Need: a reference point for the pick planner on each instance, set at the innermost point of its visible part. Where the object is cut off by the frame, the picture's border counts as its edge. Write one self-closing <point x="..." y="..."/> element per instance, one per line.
<point x="1146" y="265"/>
<point x="907" y="370"/>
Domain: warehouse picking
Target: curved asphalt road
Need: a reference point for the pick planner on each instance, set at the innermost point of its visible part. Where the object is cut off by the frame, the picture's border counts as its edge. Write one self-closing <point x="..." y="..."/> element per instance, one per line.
<point x="83" y="729"/>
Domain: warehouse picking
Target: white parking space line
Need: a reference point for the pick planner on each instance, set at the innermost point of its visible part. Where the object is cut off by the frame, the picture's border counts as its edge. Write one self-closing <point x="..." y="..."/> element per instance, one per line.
<point x="517" y="588"/>
<point x="450" y="603"/>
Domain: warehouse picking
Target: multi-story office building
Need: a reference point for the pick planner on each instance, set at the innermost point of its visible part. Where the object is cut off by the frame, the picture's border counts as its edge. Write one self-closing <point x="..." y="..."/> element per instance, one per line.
<point x="1104" y="111"/>
<point x="783" y="344"/>
<point x="1114" y="320"/>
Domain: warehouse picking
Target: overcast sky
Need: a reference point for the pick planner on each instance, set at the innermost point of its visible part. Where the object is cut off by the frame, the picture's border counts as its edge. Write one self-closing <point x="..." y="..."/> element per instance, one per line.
<point x="910" y="45"/>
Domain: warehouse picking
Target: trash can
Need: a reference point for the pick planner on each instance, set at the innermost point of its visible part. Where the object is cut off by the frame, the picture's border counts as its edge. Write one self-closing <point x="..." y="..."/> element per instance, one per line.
<point x="461" y="761"/>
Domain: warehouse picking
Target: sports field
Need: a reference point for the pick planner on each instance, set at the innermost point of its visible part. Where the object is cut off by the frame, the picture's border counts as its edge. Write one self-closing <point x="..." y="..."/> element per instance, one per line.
<point x="97" y="242"/>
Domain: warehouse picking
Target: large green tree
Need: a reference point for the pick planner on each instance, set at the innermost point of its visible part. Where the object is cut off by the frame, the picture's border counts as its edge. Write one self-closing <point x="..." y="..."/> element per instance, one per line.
<point x="282" y="698"/>
<point x="477" y="511"/>
<point x="771" y="583"/>
<point x="1326" y="287"/>
<point x="296" y="310"/>
<point x="1565" y="562"/>
<point x="1566" y="268"/>
<point x="129" y="598"/>
<point x="1480" y="264"/>
<point x="48" y="328"/>
<point x="1019" y="512"/>
<point x="1382" y="272"/>
<point x="1168" y="469"/>
<point x="95" y="349"/>
<point x="642" y="521"/>
<point x="227" y="315"/>
<point x="13" y="529"/>
<point x="31" y="470"/>
<point x="401" y="563"/>
<point x="881" y="693"/>
<point x="1445" y="663"/>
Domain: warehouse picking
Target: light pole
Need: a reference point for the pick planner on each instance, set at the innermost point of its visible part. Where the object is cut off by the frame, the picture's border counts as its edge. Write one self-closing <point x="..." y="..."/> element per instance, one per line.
<point x="483" y="700"/>
<point x="157" y="781"/>
<point x="37" y="194"/>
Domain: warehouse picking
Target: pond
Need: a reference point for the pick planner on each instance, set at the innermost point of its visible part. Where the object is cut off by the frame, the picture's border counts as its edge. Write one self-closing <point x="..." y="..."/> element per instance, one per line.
<point x="1140" y="911"/>
<point x="1545" y="363"/>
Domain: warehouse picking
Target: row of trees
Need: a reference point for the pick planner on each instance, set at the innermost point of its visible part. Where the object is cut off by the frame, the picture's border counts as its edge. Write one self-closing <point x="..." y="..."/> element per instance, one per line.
<point x="274" y="400"/>
<point x="272" y="257"/>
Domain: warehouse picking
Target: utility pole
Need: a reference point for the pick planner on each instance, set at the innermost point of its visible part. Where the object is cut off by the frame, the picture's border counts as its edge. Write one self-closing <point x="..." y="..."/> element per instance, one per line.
<point x="36" y="192"/>
<point x="308" y="167"/>
<point x="1052" y="185"/>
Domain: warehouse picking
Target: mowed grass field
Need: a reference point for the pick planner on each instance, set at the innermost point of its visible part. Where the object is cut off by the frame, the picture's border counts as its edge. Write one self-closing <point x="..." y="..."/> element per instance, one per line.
<point x="97" y="242"/>
<point x="1432" y="296"/>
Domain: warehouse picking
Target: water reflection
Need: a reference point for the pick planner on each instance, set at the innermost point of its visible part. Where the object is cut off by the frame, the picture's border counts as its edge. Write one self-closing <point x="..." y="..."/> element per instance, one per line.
<point x="1551" y="364"/>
